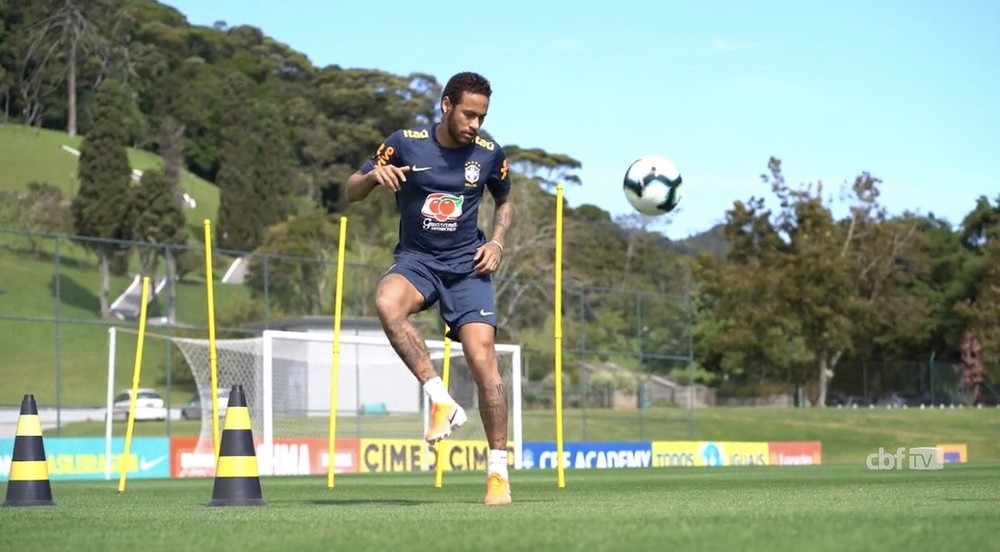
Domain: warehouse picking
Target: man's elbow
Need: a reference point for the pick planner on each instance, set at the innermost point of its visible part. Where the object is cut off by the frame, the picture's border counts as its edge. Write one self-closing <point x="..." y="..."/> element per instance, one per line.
<point x="355" y="189"/>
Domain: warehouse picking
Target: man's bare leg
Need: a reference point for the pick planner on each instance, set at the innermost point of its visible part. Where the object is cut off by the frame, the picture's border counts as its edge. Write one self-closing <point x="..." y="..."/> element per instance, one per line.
<point x="395" y="300"/>
<point x="478" y="346"/>
<point x="480" y="353"/>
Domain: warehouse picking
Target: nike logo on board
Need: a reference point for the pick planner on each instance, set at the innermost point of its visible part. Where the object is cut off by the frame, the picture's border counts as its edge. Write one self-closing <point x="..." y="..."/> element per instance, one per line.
<point x="146" y="465"/>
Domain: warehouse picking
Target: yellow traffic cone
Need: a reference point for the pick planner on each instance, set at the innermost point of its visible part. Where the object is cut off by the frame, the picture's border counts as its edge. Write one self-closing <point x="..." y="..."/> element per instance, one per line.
<point x="237" y="482"/>
<point x="29" y="472"/>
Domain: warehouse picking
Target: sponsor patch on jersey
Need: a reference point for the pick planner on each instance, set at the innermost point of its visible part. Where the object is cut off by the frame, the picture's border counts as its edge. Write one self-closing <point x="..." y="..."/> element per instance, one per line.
<point x="483" y="143"/>
<point x="416" y="134"/>
<point x="441" y="212"/>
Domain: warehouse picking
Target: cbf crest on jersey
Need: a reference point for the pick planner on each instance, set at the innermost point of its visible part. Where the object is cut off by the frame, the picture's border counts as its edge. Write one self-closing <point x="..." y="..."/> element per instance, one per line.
<point x="471" y="173"/>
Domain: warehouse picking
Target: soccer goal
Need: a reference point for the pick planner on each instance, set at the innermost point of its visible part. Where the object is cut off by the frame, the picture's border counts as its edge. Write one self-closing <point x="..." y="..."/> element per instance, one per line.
<point x="286" y="377"/>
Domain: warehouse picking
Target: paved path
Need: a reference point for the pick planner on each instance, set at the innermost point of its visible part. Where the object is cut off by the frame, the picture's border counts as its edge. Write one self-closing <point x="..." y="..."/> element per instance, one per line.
<point x="50" y="418"/>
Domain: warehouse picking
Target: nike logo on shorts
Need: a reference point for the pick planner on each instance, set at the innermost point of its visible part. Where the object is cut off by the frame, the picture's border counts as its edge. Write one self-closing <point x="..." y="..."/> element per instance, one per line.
<point x="484" y="312"/>
<point x="415" y="168"/>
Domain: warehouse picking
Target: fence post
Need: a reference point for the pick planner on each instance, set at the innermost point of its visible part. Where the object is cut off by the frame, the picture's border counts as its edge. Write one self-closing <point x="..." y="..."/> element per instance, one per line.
<point x="582" y="371"/>
<point x="642" y="364"/>
<point x="267" y="294"/>
<point x="58" y="334"/>
<point x="930" y="368"/>
<point x="864" y="381"/>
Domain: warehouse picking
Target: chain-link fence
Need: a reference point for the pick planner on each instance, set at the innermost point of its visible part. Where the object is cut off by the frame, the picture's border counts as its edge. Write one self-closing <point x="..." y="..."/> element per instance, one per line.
<point x="928" y="383"/>
<point x="627" y="356"/>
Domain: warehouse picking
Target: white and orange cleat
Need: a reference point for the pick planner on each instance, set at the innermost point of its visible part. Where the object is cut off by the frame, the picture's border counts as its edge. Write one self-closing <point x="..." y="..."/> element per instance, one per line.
<point x="497" y="490"/>
<point x="445" y="418"/>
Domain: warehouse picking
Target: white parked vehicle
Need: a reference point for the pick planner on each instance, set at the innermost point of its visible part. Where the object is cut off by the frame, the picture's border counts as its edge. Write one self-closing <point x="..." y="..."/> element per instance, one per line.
<point x="149" y="405"/>
<point x="193" y="409"/>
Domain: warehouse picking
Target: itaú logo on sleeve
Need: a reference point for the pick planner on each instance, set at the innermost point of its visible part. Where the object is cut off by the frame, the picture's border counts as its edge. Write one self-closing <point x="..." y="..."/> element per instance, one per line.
<point x="441" y="212"/>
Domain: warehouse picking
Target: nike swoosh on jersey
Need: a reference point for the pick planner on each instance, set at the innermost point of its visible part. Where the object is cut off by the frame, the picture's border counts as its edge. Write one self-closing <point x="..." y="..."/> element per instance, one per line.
<point x="415" y="168"/>
<point x="484" y="312"/>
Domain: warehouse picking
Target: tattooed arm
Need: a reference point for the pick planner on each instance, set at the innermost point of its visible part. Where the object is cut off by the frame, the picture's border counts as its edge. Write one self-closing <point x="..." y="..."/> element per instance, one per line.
<point x="489" y="254"/>
<point x="502" y="219"/>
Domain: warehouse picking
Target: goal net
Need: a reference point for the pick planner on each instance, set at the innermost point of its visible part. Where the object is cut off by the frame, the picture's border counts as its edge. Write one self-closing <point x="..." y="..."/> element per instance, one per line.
<point x="286" y="377"/>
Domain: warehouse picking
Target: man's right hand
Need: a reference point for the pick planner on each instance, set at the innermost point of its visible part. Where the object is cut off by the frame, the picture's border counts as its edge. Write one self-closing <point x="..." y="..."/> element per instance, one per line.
<point x="388" y="176"/>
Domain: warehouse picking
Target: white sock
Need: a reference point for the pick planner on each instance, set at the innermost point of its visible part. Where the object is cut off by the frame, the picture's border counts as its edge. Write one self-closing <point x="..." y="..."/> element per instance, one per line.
<point x="436" y="392"/>
<point x="497" y="463"/>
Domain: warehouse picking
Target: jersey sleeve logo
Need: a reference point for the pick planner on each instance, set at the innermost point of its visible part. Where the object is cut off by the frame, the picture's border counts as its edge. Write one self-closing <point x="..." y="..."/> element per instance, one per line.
<point x="471" y="173"/>
<point x="383" y="155"/>
<point x="441" y="208"/>
<point x="503" y="170"/>
<point x="483" y="143"/>
<point x="416" y="134"/>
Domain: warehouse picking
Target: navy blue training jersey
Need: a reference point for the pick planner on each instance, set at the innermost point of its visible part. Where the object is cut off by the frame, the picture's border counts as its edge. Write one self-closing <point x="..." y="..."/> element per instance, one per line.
<point x="439" y="202"/>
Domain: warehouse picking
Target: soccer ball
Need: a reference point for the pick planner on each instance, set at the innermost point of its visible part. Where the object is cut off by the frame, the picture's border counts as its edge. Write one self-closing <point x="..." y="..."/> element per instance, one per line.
<point x="652" y="185"/>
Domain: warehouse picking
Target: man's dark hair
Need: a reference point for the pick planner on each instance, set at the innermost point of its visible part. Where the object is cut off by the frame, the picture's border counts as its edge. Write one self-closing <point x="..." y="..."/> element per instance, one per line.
<point x="473" y="83"/>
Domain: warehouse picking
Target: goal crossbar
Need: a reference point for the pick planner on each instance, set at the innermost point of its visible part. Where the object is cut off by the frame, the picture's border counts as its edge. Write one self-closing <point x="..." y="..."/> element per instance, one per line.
<point x="436" y="347"/>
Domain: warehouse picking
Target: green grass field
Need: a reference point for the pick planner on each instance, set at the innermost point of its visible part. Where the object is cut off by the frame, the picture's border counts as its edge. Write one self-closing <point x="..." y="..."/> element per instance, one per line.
<point x="791" y="508"/>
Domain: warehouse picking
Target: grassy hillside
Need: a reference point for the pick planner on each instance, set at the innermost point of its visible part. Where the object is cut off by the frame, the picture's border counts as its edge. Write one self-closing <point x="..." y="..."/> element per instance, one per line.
<point x="36" y="155"/>
<point x="36" y="357"/>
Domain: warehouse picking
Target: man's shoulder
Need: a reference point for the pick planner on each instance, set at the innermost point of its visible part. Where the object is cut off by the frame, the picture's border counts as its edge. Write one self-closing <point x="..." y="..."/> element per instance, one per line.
<point x="488" y="144"/>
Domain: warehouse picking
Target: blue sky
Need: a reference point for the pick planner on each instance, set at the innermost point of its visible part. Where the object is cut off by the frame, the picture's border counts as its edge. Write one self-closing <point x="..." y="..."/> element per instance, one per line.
<point x="906" y="90"/>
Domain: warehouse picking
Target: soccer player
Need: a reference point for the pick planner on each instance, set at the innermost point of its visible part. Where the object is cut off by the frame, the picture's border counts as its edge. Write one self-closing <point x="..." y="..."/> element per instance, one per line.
<point x="439" y="176"/>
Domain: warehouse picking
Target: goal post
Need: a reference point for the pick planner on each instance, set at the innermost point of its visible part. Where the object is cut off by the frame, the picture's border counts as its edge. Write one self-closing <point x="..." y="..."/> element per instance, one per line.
<point x="372" y="378"/>
<point x="286" y="377"/>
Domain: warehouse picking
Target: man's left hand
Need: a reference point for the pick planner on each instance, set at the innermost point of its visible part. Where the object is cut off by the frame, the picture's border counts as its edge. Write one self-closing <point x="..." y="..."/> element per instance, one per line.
<point x="488" y="257"/>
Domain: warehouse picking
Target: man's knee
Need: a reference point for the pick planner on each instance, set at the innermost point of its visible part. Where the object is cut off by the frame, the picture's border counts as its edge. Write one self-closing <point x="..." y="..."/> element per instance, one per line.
<point x="396" y="297"/>
<point x="480" y="352"/>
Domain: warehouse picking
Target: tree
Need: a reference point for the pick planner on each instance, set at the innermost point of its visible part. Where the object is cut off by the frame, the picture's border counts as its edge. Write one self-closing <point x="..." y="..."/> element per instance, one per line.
<point x="292" y="265"/>
<point x="236" y="227"/>
<point x="159" y="221"/>
<point x="64" y="36"/>
<point x="799" y="289"/>
<point x="171" y="146"/>
<point x="101" y="206"/>
<point x="41" y="209"/>
<point x="255" y="178"/>
<point x="981" y="339"/>
<point x="549" y="168"/>
<point x="272" y="167"/>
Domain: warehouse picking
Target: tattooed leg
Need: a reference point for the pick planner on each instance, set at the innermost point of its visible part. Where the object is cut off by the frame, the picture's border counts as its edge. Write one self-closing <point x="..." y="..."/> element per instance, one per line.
<point x="477" y="344"/>
<point x="395" y="300"/>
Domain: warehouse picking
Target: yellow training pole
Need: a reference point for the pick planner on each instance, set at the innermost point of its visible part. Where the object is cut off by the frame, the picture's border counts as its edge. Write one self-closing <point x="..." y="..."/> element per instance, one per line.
<point x="124" y="464"/>
<point x="560" y="469"/>
<point x="335" y="366"/>
<point x="212" y="356"/>
<point x="445" y="370"/>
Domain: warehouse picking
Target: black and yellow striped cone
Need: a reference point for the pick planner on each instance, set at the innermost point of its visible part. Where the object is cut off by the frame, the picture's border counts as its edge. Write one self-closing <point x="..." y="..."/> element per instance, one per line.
<point x="29" y="472"/>
<point x="237" y="482"/>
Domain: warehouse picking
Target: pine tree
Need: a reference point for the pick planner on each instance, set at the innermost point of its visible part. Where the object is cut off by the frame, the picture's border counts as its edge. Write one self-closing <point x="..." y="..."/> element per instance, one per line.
<point x="101" y="207"/>
<point x="273" y="174"/>
<point x="159" y="221"/>
<point x="255" y="176"/>
<point x="237" y="227"/>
